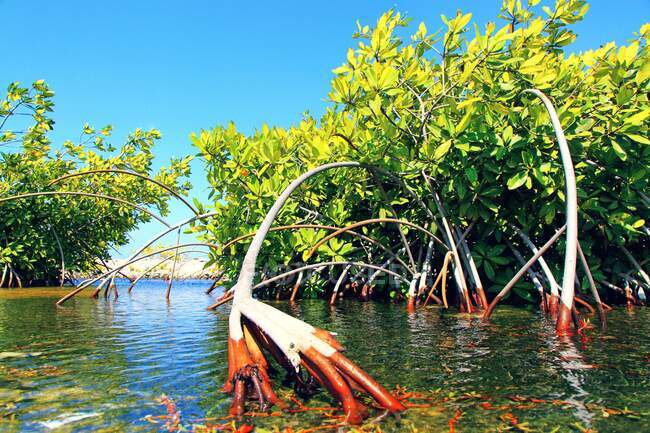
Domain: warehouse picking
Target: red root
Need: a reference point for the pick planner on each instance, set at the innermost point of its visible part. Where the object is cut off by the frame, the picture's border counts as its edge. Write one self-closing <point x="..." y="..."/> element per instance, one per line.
<point x="335" y="384"/>
<point x="328" y="338"/>
<point x="364" y="293"/>
<point x="543" y="305"/>
<point x="248" y="376"/>
<point x="410" y="304"/>
<point x="564" y="318"/>
<point x="584" y="304"/>
<point x="227" y="387"/>
<point x="370" y="385"/>
<point x="553" y="303"/>
<point x="237" y="407"/>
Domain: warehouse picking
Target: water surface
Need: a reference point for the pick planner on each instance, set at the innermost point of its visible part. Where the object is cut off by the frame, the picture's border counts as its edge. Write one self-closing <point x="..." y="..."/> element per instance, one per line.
<point x="101" y="365"/>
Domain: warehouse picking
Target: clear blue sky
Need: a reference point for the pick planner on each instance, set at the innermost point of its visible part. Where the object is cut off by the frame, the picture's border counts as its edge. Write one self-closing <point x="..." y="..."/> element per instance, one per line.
<point x="182" y="66"/>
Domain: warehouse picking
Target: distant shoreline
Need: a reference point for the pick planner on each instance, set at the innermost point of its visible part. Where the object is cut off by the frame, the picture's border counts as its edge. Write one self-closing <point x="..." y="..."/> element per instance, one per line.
<point x="186" y="269"/>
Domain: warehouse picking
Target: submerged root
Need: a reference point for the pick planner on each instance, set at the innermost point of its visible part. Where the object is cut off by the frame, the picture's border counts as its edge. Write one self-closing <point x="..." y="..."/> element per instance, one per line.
<point x="248" y="377"/>
<point x="293" y="344"/>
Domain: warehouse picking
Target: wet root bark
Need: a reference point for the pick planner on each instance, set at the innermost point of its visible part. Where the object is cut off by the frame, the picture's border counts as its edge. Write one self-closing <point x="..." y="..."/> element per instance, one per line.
<point x="293" y="344"/>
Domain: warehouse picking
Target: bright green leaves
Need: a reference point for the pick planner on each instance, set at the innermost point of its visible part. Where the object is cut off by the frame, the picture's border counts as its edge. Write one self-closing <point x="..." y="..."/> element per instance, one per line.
<point x="453" y="106"/>
<point x="472" y="175"/>
<point x="638" y="118"/>
<point x="620" y="152"/>
<point x="336" y="249"/>
<point x="88" y="228"/>
<point x="442" y="150"/>
<point x="489" y="258"/>
<point x="517" y="180"/>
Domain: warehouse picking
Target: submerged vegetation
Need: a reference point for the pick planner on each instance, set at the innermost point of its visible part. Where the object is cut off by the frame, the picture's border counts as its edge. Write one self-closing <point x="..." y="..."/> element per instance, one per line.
<point x="477" y="155"/>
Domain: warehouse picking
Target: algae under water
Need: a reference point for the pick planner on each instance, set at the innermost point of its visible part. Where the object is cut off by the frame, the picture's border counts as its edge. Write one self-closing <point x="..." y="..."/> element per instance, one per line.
<point x="102" y="365"/>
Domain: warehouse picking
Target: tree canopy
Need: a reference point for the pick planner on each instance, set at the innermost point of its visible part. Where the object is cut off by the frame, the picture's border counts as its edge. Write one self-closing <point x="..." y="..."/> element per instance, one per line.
<point x="39" y="233"/>
<point x="446" y="113"/>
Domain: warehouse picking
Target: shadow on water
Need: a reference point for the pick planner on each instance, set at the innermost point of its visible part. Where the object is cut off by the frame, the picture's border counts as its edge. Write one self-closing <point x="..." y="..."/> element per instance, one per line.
<point x="101" y="365"/>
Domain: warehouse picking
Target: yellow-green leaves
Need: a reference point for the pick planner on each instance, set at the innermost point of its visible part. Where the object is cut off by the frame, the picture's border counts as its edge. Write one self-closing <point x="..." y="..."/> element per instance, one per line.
<point x="517" y="180"/>
<point x="442" y="150"/>
<point x="644" y="72"/>
<point x="422" y="31"/>
<point x="638" y="118"/>
<point x="533" y="65"/>
<point x="620" y="152"/>
<point x="464" y="121"/>
<point x="458" y="23"/>
<point x="404" y="104"/>
<point x="626" y="55"/>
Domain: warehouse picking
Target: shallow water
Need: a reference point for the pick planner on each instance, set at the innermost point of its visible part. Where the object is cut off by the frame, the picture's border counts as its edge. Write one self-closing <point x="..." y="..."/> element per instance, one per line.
<point x="101" y="365"/>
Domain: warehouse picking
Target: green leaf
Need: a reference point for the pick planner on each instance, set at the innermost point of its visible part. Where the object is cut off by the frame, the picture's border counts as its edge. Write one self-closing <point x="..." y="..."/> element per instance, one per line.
<point x="638" y="118"/>
<point x="442" y="150"/>
<point x="620" y="152"/>
<point x="517" y="180"/>
<point x="471" y="174"/>
<point x="489" y="270"/>
<point x="638" y="138"/>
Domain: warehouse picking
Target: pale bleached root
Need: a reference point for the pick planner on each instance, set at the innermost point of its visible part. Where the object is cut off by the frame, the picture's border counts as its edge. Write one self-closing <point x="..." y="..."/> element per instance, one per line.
<point x="405" y="243"/>
<point x="352" y="226"/>
<point x="339" y="282"/>
<point x="146" y="272"/>
<point x="322" y="264"/>
<point x="532" y="274"/>
<point x="442" y="277"/>
<point x="11" y="276"/>
<point x="413" y="285"/>
<point x="293" y="341"/>
<point x="279" y="277"/>
<point x="468" y="259"/>
<point x="323" y="227"/>
<point x="570" y="255"/>
<point x="459" y="275"/>
<point x="171" y="277"/>
<point x="637" y="266"/>
<point x="99" y="287"/>
<point x="592" y="285"/>
<point x="61" y="255"/>
<point x="522" y="271"/>
<point x="16" y="276"/>
<point x="366" y="291"/>
<point x="215" y="284"/>
<point x="4" y="274"/>
<point x="132" y="258"/>
<point x="159" y="263"/>
<point x="111" y="273"/>
<point x="553" y="285"/>
<point x="296" y="287"/>
<point x="425" y="270"/>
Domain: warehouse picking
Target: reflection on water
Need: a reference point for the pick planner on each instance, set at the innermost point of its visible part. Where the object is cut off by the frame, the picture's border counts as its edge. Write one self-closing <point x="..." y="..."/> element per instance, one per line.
<point x="100" y="365"/>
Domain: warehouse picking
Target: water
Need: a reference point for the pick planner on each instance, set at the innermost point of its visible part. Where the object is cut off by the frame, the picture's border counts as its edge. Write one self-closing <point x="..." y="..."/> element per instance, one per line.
<point x="102" y="365"/>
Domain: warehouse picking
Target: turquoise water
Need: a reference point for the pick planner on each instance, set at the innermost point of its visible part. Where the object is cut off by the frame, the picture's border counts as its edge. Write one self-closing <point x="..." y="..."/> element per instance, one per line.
<point x="101" y="365"/>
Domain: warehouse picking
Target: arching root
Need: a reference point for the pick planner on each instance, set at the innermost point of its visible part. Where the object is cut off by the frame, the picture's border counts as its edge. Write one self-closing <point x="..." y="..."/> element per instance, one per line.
<point x="256" y="328"/>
